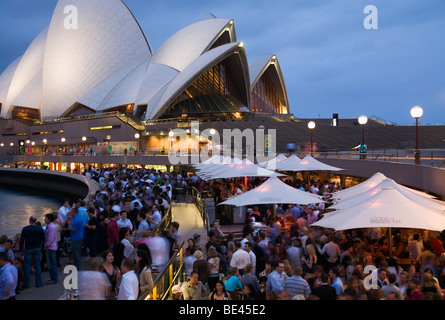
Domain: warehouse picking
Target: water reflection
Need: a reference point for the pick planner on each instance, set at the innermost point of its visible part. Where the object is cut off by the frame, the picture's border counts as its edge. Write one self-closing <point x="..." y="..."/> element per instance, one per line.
<point x="16" y="207"/>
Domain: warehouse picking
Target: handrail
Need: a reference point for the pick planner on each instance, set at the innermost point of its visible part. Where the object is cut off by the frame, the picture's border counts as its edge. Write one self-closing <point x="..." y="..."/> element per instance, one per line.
<point x="200" y="204"/>
<point x="173" y="270"/>
<point x="166" y="279"/>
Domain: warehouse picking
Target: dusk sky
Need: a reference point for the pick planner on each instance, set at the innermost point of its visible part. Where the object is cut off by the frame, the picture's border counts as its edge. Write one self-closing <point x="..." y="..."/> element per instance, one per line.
<point x="330" y="62"/>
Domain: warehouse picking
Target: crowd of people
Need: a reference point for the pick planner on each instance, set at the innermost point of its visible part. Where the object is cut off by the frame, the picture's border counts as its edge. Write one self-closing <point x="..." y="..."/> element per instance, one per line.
<point x="114" y="240"/>
<point x="282" y="257"/>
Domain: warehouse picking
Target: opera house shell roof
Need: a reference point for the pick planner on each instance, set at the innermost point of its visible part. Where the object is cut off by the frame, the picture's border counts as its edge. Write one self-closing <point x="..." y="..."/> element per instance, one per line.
<point x="107" y="64"/>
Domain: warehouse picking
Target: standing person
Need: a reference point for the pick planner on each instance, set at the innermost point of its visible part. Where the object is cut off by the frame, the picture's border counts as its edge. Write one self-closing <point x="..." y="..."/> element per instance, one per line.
<point x="111" y="270"/>
<point x="415" y="246"/>
<point x="174" y="227"/>
<point x="200" y="267"/>
<point x="234" y="282"/>
<point x="66" y="236"/>
<point x="259" y="254"/>
<point x="124" y="222"/>
<point x="325" y="291"/>
<point x="8" y="278"/>
<point x="194" y="289"/>
<point x="155" y="218"/>
<point x="32" y="240"/>
<point x="142" y="225"/>
<point x="219" y="292"/>
<point x="77" y="235"/>
<point x="129" y="287"/>
<point x="249" y="278"/>
<point x="93" y="284"/>
<point x="129" y="250"/>
<point x="91" y="227"/>
<point x="276" y="279"/>
<point x="240" y="258"/>
<point x="332" y="250"/>
<point x="248" y="249"/>
<point x="336" y="281"/>
<point x="113" y="229"/>
<point x="64" y="209"/>
<point x="392" y="288"/>
<point x="143" y="271"/>
<point x="214" y="268"/>
<point x="51" y="247"/>
<point x="297" y="285"/>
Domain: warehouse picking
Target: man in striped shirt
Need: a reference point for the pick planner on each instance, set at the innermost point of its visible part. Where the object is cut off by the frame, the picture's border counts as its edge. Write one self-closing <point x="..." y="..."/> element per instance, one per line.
<point x="296" y="285"/>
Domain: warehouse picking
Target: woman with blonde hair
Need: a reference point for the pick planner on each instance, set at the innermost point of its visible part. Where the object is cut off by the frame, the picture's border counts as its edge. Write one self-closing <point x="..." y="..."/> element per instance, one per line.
<point x="310" y="259"/>
<point x="214" y="267"/>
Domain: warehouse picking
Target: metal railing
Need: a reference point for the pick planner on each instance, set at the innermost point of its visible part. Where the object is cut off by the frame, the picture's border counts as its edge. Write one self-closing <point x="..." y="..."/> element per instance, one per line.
<point x="200" y="202"/>
<point x="171" y="275"/>
<point x="432" y="158"/>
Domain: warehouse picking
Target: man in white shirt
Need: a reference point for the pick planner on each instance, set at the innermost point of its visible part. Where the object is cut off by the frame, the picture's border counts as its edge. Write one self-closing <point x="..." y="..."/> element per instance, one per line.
<point x="129" y="287"/>
<point x="155" y="218"/>
<point x="415" y="246"/>
<point x="124" y="222"/>
<point x="332" y="250"/>
<point x="240" y="258"/>
<point x="64" y="209"/>
<point x="247" y="238"/>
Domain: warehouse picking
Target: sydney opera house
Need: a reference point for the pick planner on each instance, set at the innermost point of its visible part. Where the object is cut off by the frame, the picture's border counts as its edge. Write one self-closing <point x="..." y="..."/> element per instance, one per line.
<point x="102" y="79"/>
<point x="97" y="87"/>
<point x="107" y="64"/>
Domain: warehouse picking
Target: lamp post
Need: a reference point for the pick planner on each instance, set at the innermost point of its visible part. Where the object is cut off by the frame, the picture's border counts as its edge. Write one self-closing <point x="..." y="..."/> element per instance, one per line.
<point x="363" y="120"/>
<point x="416" y="112"/>
<point x="108" y="138"/>
<point x="311" y="126"/>
<point x="171" y="134"/>
<point x="137" y="137"/>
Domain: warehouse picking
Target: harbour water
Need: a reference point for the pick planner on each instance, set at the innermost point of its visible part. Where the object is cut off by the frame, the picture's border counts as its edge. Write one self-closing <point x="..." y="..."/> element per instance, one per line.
<point x="17" y="206"/>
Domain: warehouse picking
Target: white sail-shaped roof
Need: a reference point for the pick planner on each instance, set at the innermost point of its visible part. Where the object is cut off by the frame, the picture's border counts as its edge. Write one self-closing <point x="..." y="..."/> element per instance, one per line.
<point x="126" y="91"/>
<point x="266" y="63"/>
<point x="31" y="95"/>
<point x="186" y="45"/>
<point x="156" y="77"/>
<point x="5" y="81"/>
<point x="193" y="72"/>
<point x="178" y="52"/>
<point x="107" y="42"/>
<point x="105" y="61"/>
<point x="28" y="70"/>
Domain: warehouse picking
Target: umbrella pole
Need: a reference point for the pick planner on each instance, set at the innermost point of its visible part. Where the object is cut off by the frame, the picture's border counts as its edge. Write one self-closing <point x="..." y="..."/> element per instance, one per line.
<point x="390" y="241"/>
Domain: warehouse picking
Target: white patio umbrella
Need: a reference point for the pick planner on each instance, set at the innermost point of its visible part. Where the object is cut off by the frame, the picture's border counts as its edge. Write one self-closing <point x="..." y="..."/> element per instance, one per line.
<point x="244" y="169"/>
<point x="309" y="163"/>
<point x="289" y="163"/>
<point x="216" y="160"/>
<point x="273" y="191"/>
<point x="414" y="195"/>
<point x="273" y="164"/>
<point x="367" y="185"/>
<point x="360" y="188"/>
<point x="388" y="208"/>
